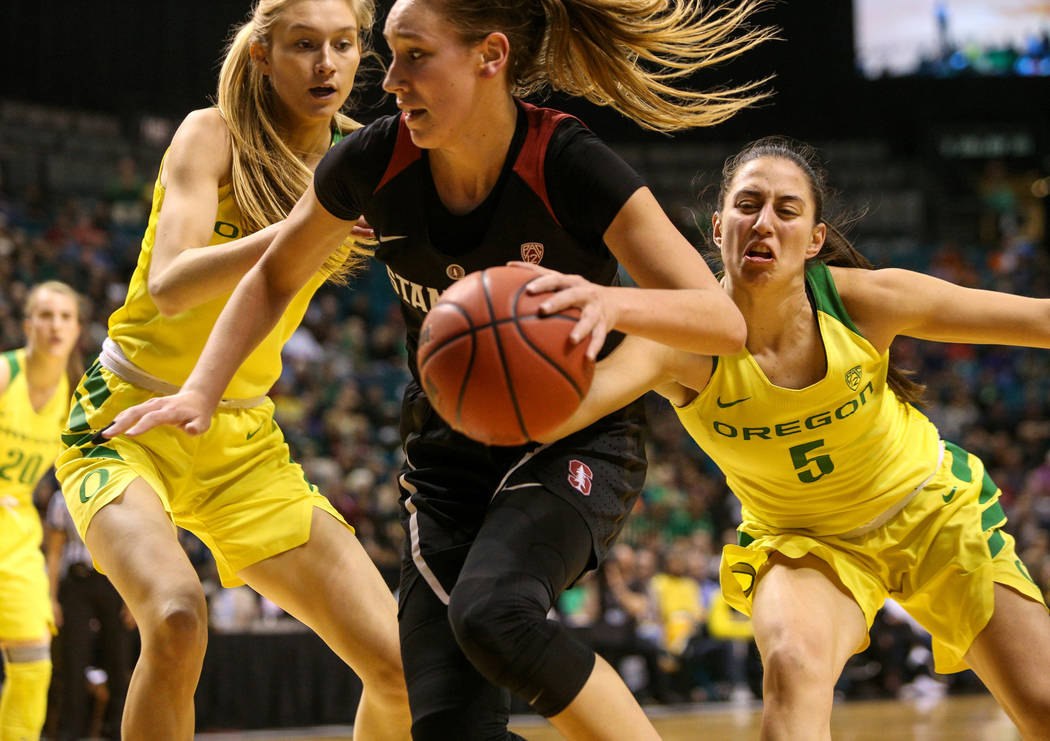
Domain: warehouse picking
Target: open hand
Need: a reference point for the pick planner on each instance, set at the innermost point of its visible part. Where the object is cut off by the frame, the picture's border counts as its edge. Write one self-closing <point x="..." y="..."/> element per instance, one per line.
<point x="597" y="313"/>
<point x="186" y="410"/>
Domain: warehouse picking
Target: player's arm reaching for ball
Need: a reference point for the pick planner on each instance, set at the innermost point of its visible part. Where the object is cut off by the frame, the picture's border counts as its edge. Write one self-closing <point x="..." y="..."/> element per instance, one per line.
<point x="308" y="236"/>
<point x="636" y="366"/>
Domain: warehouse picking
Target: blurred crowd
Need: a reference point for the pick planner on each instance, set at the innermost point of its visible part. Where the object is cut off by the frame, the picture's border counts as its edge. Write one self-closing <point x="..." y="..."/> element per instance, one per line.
<point x="654" y="609"/>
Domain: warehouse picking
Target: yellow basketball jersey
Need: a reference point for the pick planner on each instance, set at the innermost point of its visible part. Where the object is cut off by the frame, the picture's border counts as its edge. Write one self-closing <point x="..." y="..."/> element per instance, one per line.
<point x="168" y="347"/>
<point x="825" y="459"/>
<point x="29" y="440"/>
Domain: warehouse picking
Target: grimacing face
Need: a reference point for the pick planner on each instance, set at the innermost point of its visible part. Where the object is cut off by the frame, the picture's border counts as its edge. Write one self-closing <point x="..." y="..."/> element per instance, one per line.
<point x="766" y="222"/>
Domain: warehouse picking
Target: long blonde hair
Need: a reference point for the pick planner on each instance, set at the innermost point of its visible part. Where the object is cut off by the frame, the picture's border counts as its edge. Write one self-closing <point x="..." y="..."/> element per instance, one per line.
<point x="268" y="177"/>
<point x="626" y="54"/>
<point x="74" y="364"/>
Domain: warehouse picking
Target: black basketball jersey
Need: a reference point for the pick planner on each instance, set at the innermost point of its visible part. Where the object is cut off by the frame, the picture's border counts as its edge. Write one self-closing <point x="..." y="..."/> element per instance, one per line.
<point x="559" y="190"/>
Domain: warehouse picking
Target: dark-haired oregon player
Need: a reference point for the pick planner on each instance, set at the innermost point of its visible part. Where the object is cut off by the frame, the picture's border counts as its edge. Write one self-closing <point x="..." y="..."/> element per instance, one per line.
<point x="467" y="177"/>
<point x="34" y="403"/>
<point x="849" y="496"/>
<point x="230" y="170"/>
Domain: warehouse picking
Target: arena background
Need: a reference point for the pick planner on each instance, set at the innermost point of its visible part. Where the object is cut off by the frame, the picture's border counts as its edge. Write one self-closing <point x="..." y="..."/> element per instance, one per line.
<point x="950" y="168"/>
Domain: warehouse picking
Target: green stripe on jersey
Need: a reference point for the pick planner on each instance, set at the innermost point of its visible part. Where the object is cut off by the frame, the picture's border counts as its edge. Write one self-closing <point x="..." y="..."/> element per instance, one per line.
<point x="827" y="296"/>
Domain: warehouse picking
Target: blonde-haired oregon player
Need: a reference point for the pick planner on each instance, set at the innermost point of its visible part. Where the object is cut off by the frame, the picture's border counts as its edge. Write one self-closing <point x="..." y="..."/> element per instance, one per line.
<point x="228" y="172"/>
<point x="849" y="495"/>
<point x="34" y="402"/>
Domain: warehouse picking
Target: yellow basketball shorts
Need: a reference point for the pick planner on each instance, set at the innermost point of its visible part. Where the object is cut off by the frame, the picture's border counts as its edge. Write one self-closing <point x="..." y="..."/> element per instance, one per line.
<point x="25" y="601"/>
<point x="235" y="487"/>
<point x="939" y="558"/>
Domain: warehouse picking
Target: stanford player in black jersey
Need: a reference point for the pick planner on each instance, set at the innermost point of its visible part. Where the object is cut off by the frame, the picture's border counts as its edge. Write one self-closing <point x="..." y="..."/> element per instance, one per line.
<point x="466" y="177"/>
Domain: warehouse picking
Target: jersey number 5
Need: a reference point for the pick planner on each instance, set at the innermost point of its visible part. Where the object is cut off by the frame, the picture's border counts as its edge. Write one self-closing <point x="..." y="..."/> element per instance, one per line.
<point x="802" y="462"/>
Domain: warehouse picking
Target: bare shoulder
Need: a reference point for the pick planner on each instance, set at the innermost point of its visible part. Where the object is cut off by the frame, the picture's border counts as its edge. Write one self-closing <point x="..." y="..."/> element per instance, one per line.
<point x="872" y="299"/>
<point x="201" y="145"/>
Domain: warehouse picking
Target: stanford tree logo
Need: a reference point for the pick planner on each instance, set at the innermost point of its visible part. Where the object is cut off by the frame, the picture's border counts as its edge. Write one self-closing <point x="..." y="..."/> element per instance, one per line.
<point x="580" y="476"/>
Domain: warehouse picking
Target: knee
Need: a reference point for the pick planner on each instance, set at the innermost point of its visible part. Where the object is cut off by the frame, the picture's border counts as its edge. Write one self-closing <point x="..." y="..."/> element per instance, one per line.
<point x="490" y="625"/>
<point x="177" y="628"/>
<point x="385" y="682"/>
<point x="792" y="668"/>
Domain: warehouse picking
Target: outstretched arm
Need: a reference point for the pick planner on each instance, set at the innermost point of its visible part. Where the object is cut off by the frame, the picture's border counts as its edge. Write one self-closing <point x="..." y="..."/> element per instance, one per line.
<point x="636" y="366"/>
<point x="309" y="235"/>
<point x="891" y="302"/>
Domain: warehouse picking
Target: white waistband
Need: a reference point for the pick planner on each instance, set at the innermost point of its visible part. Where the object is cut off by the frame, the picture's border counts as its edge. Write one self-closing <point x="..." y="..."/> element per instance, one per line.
<point x="116" y="362"/>
<point x="893" y="511"/>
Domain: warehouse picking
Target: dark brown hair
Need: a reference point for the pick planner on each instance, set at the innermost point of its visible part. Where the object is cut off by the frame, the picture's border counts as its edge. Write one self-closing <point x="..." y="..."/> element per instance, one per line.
<point x="837" y="249"/>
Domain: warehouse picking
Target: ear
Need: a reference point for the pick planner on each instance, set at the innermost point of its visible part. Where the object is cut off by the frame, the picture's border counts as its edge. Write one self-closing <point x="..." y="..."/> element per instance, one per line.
<point x="494" y="54"/>
<point x="716" y="228"/>
<point x="259" y="57"/>
<point x="820" y="233"/>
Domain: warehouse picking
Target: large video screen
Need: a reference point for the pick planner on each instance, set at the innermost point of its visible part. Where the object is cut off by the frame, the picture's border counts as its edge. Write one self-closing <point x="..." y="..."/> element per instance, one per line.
<point x="952" y="38"/>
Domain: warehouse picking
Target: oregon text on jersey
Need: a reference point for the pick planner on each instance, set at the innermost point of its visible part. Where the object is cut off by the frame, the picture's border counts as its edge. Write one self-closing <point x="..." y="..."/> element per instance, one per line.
<point x="792" y="427"/>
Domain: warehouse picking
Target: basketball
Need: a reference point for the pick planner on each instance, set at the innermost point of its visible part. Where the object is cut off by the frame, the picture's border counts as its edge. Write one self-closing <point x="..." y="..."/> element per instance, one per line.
<point x="492" y="367"/>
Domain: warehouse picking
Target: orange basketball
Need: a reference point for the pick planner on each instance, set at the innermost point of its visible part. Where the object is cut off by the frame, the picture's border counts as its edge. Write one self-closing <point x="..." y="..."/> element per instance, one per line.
<point x="493" y="368"/>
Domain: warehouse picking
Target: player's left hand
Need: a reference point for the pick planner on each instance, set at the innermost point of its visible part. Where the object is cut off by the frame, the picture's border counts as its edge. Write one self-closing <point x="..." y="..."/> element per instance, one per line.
<point x="598" y="314"/>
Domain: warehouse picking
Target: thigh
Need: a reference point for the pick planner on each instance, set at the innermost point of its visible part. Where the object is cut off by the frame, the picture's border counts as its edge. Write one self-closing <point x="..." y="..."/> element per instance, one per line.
<point x="799" y="605"/>
<point x="331" y="585"/>
<point x="1011" y="653"/>
<point x="134" y="542"/>
<point x="533" y="541"/>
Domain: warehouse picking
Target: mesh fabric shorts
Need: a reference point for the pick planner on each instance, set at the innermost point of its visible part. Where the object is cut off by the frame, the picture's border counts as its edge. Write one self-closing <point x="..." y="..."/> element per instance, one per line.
<point x="235" y="487"/>
<point x="939" y="558"/>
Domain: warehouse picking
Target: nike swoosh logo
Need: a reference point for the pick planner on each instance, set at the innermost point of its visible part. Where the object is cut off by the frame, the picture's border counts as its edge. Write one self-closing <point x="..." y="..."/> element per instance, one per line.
<point x="390" y="237"/>
<point x="250" y="435"/>
<point x="948" y="497"/>
<point x="725" y="404"/>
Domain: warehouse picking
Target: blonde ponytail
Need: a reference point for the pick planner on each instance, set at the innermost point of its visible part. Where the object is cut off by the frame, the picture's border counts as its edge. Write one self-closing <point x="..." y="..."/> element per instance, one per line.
<point x="631" y="55"/>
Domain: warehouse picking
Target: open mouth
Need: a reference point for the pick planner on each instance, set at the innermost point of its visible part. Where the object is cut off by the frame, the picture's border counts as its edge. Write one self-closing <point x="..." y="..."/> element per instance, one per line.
<point x="758" y="253"/>
<point x="323" y="92"/>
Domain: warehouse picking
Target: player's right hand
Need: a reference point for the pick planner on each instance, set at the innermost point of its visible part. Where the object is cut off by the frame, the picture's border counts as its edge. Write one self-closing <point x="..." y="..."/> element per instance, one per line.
<point x="187" y="410"/>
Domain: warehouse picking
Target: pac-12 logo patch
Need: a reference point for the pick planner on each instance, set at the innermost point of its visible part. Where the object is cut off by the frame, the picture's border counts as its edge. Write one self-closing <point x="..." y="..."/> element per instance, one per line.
<point x="580" y="477"/>
<point x="853" y="378"/>
<point x="532" y="252"/>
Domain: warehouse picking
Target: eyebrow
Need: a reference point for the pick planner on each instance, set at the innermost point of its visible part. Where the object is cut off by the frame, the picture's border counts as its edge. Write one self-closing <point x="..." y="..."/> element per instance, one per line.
<point x="754" y="192"/>
<point x="403" y="35"/>
<point x="307" y="27"/>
